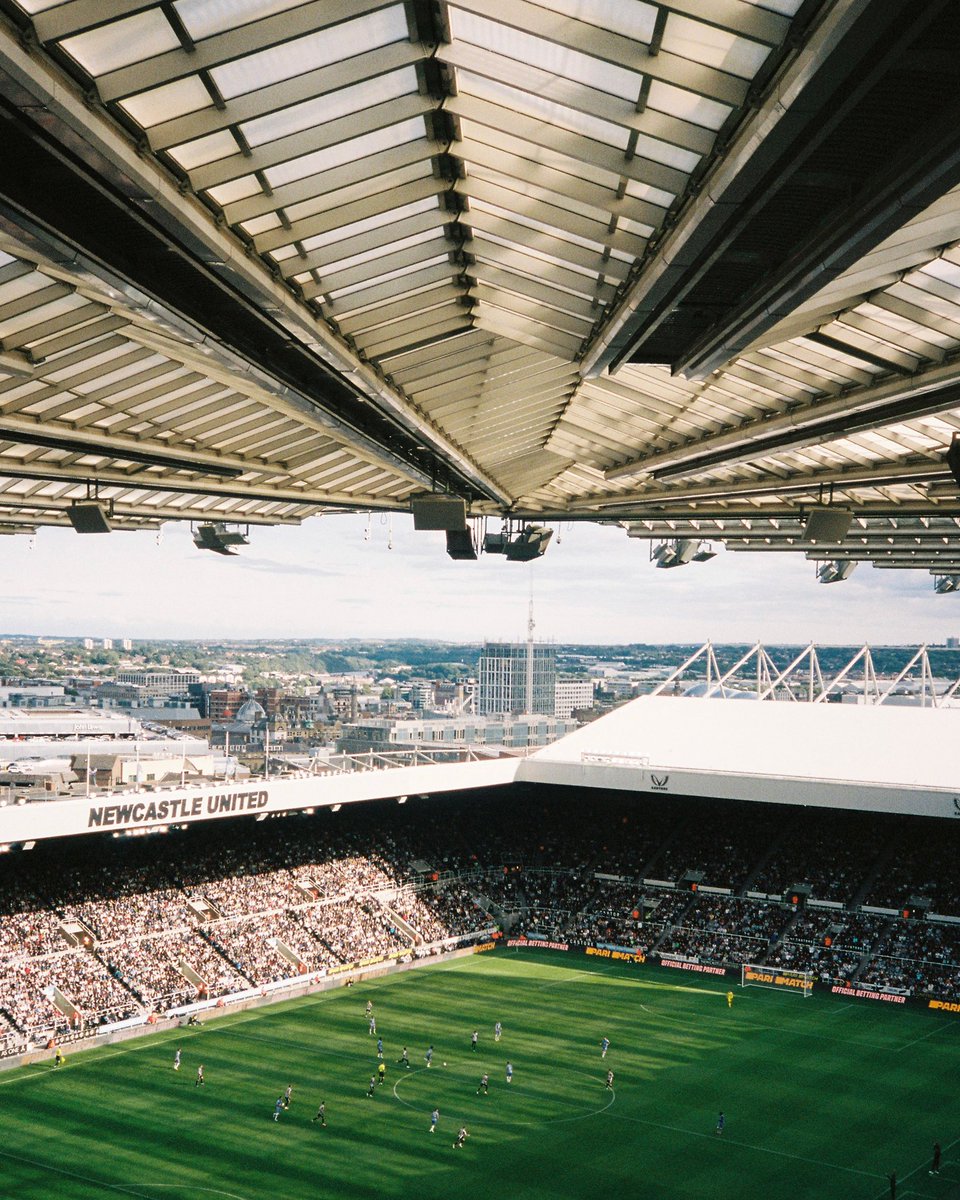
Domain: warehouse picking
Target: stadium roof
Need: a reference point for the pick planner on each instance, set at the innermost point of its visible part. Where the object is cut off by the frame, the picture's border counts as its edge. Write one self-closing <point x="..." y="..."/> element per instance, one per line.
<point x="831" y="755"/>
<point x="690" y="266"/>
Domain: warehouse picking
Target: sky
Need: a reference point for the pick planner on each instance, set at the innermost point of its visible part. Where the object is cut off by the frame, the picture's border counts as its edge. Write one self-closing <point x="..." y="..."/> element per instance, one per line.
<point x="338" y="577"/>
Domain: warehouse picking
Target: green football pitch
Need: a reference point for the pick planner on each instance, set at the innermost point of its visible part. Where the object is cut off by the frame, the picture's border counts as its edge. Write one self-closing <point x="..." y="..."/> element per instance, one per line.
<point x="822" y="1098"/>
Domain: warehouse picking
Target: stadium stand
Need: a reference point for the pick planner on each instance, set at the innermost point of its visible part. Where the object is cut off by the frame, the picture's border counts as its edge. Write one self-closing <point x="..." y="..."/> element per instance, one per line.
<point x="98" y="931"/>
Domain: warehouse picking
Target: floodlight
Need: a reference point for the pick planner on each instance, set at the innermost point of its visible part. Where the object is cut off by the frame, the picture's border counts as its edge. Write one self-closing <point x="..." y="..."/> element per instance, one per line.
<point x="676" y="553"/>
<point x="944" y="584"/>
<point x="495" y="543"/>
<point x="705" y="551"/>
<point x="835" y="571"/>
<point x="530" y="543"/>
<point x="218" y="538"/>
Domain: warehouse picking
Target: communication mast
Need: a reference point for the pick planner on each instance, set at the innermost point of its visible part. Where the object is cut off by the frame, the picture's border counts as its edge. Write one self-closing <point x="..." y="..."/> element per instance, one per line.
<point x="531" y="625"/>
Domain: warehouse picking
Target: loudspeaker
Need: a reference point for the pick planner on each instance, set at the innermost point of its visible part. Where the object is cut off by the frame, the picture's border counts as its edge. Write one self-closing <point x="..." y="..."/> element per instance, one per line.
<point x="826" y="524"/>
<point x="953" y="457"/>
<point x="439" y="512"/>
<point x="460" y="544"/>
<point x="89" y="518"/>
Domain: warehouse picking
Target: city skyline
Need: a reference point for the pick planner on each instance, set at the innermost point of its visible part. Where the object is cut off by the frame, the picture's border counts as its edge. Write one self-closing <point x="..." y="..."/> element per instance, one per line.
<point x="336" y="577"/>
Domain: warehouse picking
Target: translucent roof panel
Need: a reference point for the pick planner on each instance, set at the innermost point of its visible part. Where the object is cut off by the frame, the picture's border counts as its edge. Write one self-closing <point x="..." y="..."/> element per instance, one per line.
<point x="680" y="103"/>
<point x="205" y="150"/>
<point x="786" y="8"/>
<point x="378" y="252"/>
<point x="565" y="62"/>
<point x="386" y="277"/>
<point x="559" y="235"/>
<point x="120" y="43"/>
<point x="378" y="221"/>
<point x="164" y="103"/>
<point x="301" y="55"/>
<point x="713" y="47"/>
<point x="330" y="106"/>
<point x="203" y="18"/>
<point x="545" y="110"/>
<point x="632" y="18"/>
<point x="643" y="191"/>
<point x="345" y="152"/>
<point x="235" y="189"/>
<point x="497" y="216"/>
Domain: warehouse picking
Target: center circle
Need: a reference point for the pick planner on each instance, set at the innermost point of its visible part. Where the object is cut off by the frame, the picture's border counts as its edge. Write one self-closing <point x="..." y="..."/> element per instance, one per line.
<point x="453" y="1090"/>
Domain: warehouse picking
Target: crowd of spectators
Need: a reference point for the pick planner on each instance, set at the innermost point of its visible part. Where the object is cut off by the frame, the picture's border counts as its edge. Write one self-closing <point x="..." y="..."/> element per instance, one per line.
<point x="222" y="910"/>
<point x="712" y="846"/>
<point x="835" y="853"/>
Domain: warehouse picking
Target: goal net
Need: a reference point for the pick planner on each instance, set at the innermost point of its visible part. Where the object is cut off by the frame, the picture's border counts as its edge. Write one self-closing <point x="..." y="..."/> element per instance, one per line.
<point x="777" y="978"/>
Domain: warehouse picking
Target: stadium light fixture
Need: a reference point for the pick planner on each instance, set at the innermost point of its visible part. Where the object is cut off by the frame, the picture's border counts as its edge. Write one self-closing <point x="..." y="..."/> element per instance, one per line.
<point x="835" y="571"/>
<point x="530" y="543"/>
<point x="677" y="553"/>
<point x="219" y="538"/>
<point x="944" y="584"/>
<point x="495" y="543"/>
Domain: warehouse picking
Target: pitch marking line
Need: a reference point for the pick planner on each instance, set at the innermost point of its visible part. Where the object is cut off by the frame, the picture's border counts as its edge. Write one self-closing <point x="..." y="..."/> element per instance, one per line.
<point x="192" y="1188"/>
<point x="791" y="1031"/>
<point x="521" y="1091"/>
<point x="224" y="1025"/>
<point x="114" y="1187"/>
<point x="917" y="1170"/>
<point x="712" y="1137"/>
<point x="923" y="1037"/>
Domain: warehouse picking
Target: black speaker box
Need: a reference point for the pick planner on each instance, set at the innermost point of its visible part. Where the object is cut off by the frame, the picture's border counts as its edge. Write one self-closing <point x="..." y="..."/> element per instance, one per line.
<point x="89" y="518"/>
<point x="439" y="512"/>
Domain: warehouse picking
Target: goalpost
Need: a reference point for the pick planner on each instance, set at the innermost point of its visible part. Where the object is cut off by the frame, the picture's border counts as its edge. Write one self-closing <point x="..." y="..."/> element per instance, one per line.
<point x="778" y="978"/>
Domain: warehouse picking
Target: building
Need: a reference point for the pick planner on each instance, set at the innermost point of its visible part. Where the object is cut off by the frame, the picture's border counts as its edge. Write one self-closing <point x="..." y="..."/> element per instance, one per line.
<point x="223" y="704"/>
<point x="37" y="696"/>
<point x="572" y="694"/>
<point x="126" y="644"/>
<point x="452" y="733"/>
<point x="158" y="682"/>
<point x="509" y="670"/>
<point x="303" y="710"/>
<point x="421" y="695"/>
<point x="343" y="700"/>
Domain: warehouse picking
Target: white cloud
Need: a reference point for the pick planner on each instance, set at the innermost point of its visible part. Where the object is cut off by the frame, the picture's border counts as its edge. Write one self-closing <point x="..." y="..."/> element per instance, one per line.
<point x="324" y="580"/>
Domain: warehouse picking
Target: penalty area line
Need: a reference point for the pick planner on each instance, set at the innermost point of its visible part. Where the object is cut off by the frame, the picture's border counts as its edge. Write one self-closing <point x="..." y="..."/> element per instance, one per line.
<point x="113" y="1187"/>
<point x="712" y="1137"/>
<point x="916" y="1171"/>
<point x="193" y="1188"/>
